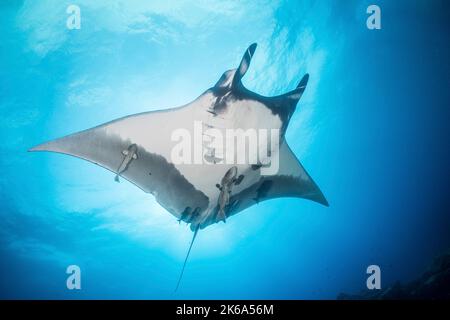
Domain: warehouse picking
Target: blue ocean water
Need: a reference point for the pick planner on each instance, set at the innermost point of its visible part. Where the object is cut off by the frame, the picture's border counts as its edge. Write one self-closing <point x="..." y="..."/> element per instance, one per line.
<point x="372" y="130"/>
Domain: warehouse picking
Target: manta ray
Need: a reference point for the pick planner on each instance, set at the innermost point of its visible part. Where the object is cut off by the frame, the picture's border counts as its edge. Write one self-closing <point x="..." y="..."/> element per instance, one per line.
<point x="139" y="148"/>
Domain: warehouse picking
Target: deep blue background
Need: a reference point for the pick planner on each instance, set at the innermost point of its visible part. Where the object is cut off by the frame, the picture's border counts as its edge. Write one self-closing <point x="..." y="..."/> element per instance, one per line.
<point x="372" y="130"/>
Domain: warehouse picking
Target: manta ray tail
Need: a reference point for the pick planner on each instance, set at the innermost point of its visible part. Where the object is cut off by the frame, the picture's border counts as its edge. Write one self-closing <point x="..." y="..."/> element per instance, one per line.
<point x="187" y="256"/>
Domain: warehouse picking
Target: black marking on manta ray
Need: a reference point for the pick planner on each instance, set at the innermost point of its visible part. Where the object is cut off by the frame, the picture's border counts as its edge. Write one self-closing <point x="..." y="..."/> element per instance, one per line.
<point x="173" y="191"/>
<point x="186" y="213"/>
<point x="282" y="106"/>
<point x="177" y="187"/>
<point x="286" y="185"/>
<point x="263" y="190"/>
<point x="213" y="217"/>
<point x="169" y="176"/>
<point x="256" y="166"/>
<point x="239" y="180"/>
<point x="222" y="101"/>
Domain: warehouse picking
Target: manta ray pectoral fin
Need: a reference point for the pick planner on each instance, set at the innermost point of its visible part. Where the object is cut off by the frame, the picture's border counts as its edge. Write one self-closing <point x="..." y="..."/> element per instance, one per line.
<point x="100" y="147"/>
<point x="291" y="180"/>
<point x="94" y="145"/>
